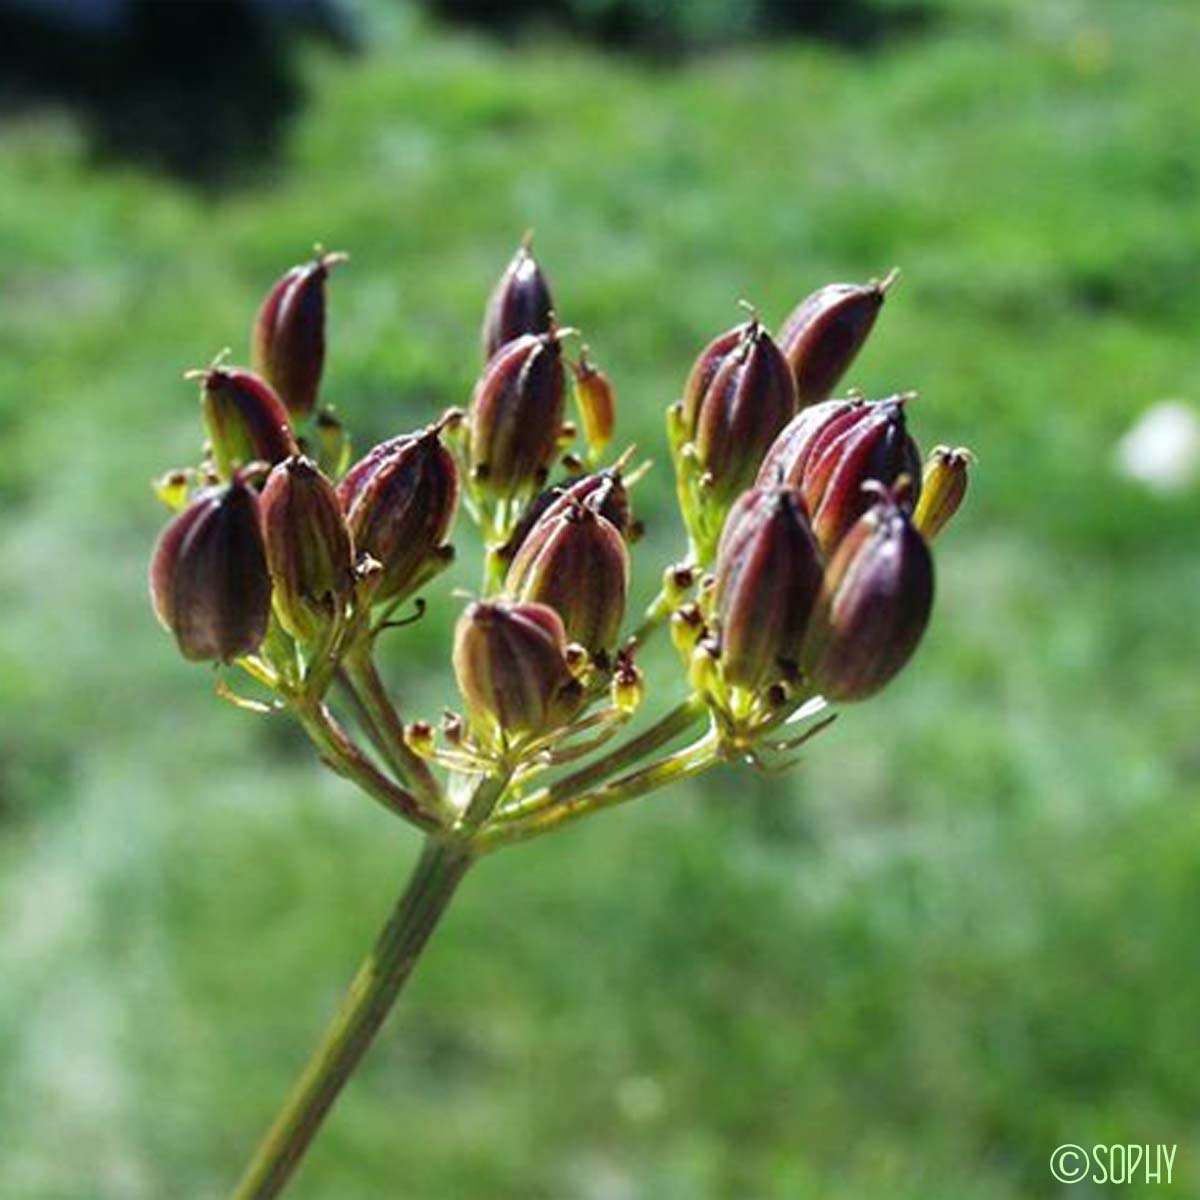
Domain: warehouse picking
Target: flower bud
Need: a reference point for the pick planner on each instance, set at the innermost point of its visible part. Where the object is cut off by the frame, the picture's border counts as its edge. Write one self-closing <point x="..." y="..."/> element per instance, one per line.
<point x="735" y="404"/>
<point x="575" y="561"/>
<point x="787" y="456"/>
<point x="520" y="303"/>
<point x="597" y="402"/>
<point x="399" y="502"/>
<point x="832" y="449"/>
<point x="604" y="492"/>
<point x="628" y="687"/>
<point x="309" y="553"/>
<point x="516" y="415"/>
<point x="942" y="489"/>
<point x="288" y="338"/>
<point x="208" y="576"/>
<point x="874" y="607"/>
<point x="825" y="332"/>
<point x="510" y="663"/>
<point x="246" y="421"/>
<point x="768" y="579"/>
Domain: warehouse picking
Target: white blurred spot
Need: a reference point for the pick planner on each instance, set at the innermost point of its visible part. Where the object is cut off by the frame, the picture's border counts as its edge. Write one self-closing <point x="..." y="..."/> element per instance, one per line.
<point x="1162" y="450"/>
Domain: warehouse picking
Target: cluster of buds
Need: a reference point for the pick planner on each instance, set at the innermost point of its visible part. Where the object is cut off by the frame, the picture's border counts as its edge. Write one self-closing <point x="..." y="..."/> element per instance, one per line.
<point x="808" y="579"/>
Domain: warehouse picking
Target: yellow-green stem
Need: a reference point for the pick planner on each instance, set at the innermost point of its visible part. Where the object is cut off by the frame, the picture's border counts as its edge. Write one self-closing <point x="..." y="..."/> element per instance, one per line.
<point x="364" y="1009"/>
<point x="340" y="753"/>
<point x="683" y="764"/>
<point x="680" y="719"/>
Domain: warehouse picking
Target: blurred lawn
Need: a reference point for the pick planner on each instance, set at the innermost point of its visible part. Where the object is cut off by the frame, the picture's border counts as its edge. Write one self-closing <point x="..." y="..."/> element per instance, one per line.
<point x="964" y="933"/>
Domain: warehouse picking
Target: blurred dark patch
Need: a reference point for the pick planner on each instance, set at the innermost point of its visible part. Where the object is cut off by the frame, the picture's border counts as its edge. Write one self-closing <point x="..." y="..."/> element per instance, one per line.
<point x="201" y="89"/>
<point x="671" y="29"/>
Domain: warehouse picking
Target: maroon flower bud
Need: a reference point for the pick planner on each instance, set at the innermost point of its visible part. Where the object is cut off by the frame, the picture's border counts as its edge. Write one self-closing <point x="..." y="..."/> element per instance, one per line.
<point x="943" y="487"/>
<point x="875" y="605"/>
<point x="768" y="579"/>
<point x="517" y="414"/>
<point x="309" y="552"/>
<point x="830" y="450"/>
<point x="575" y="561"/>
<point x="520" y="303"/>
<point x="787" y="457"/>
<point x="748" y="399"/>
<point x="246" y="421"/>
<point x="825" y="332"/>
<point x="288" y="339"/>
<point x="510" y="661"/>
<point x="208" y="576"/>
<point x="597" y="402"/>
<point x="399" y="502"/>
<point x="604" y="492"/>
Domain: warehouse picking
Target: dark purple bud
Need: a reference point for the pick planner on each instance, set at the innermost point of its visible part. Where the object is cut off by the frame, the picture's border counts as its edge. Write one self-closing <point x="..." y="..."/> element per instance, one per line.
<point x="825" y="332"/>
<point x="749" y="398"/>
<point x="787" y="457"/>
<point x="288" y="339"/>
<point x="870" y="446"/>
<point x="516" y="416"/>
<point x="604" y="492"/>
<point x="510" y="661"/>
<point x="575" y="561"/>
<point x="875" y="605"/>
<point x="520" y="303"/>
<point x="768" y="579"/>
<point x="246" y="421"/>
<point x="309" y="551"/>
<point x="208" y="576"/>
<point x="830" y="450"/>
<point x="400" y="501"/>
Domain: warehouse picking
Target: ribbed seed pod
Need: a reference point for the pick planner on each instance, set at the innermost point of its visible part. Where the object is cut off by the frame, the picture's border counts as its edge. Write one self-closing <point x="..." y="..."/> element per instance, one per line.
<point x="400" y="501"/>
<point x="871" y="445"/>
<point x="208" y="576"/>
<point x="875" y="605"/>
<point x="943" y="487"/>
<point x="520" y="303"/>
<point x="603" y="491"/>
<point x="511" y="667"/>
<point x="825" y="332"/>
<point x="768" y="578"/>
<point x="309" y="551"/>
<point x="733" y="418"/>
<point x="516" y="416"/>
<point x="831" y="449"/>
<point x="787" y="456"/>
<point x="246" y="420"/>
<point x="575" y="561"/>
<point x="288" y="338"/>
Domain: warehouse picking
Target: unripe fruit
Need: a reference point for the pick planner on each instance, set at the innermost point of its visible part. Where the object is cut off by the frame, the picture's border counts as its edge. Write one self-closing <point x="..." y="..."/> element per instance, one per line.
<point x="768" y="578"/>
<point x="520" y="303"/>
<point x="309" y="551"/>
<point x="875" y="605"/>
<point x="208" y="576"/>
<point x="246" y="420"/>
<point x="288" y="339"/>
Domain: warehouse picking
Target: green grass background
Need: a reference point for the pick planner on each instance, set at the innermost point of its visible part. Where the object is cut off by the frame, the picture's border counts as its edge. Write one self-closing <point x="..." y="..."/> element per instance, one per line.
<point x="963" y="933"/>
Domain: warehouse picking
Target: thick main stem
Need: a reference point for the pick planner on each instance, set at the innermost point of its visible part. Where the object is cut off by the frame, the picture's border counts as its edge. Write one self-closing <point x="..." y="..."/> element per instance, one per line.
<point x="363" y="1011"/>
